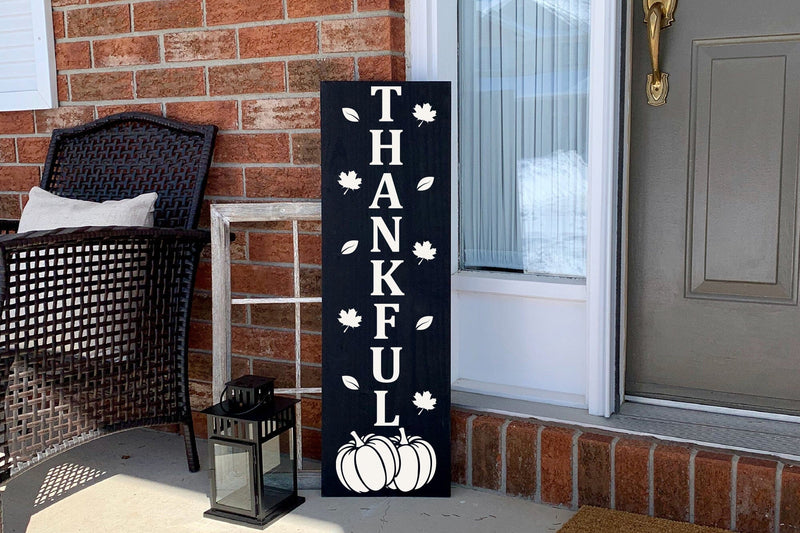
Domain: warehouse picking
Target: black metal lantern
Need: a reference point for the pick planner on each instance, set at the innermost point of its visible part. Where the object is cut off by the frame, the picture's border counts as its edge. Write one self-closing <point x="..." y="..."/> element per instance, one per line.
<point x="252" y="453"/>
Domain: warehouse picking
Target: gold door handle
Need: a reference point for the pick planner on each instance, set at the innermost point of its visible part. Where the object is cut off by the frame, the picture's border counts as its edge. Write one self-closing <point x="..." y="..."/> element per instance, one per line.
<point x="658" y="14"/>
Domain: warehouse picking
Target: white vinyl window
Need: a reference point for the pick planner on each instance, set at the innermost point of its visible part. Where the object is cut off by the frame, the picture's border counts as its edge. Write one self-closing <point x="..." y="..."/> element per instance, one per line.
<point x="523" y="74"/>
<point x="27" y="58"/>
<point x="535" y="115"/>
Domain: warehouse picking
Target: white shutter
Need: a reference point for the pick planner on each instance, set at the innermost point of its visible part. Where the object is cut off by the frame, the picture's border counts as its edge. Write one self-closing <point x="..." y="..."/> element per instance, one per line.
<point x="27" y="57"/>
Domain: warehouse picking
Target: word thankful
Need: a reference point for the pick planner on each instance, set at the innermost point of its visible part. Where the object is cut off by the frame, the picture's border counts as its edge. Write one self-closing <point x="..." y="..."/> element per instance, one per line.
<point x="386" y="190"/>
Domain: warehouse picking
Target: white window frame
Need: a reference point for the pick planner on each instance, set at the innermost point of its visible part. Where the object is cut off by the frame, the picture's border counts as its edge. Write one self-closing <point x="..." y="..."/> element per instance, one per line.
<point x="432" y="55"/>
<point x="45" y="96"/>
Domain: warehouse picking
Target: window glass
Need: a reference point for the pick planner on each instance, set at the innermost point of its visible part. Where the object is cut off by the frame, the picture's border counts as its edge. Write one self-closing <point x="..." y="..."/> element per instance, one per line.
<point x="523" y="81"/>
<point x="232" y="476"/>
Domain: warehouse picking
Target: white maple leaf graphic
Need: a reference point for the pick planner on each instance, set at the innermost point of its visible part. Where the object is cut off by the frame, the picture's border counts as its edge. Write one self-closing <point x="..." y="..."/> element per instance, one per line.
<point x="424" y="113"/>
<point x="349" y="181"/>
<point x="424" y="251"/>
<point x="424" y="401"/>
<point x="349" y="318"/>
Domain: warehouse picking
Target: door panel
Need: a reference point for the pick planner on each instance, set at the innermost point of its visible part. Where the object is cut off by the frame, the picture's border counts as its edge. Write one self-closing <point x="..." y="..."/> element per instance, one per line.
<point x="742" y="179"/>
<point x="712" y="293"/>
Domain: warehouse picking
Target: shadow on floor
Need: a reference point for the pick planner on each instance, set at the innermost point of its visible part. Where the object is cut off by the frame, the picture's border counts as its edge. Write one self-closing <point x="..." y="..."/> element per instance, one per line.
<point x="151" y="455"/>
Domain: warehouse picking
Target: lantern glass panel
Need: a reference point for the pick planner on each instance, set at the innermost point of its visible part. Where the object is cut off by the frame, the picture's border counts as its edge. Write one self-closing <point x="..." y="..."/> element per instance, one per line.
<point x="278" y="464"/>
<point x="233" y="476"/>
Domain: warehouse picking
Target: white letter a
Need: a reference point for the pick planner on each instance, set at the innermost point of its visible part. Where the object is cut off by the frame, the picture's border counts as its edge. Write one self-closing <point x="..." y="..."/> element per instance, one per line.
<point x="391" y="193"/>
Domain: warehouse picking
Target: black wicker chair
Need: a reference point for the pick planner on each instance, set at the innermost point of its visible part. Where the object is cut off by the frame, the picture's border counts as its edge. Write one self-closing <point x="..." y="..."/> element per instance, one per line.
<point x="94" y="321"/>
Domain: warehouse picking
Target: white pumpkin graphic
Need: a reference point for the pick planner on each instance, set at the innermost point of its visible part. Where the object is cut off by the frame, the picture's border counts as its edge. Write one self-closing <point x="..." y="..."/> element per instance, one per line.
<point x="417" y="463"/>
<point x="367" y="464"/>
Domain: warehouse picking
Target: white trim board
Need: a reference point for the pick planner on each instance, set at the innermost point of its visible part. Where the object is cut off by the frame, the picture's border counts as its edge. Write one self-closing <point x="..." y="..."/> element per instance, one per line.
<point x="602" y="157"/>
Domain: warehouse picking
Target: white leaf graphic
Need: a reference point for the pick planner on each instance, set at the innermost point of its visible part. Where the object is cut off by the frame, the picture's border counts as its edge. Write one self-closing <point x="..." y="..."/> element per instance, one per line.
<point x="350" y="382"/>
<point x="349" y="247"/>
<point x="424" y="322"/>
<point x="350" y="114"/>
<point x="349" y="318"/>
<point x="424" y="401"/>
<point x="349" y="181"/>
<point x="424" y="113"/>
<point x="425" y="183"/>
<point x="424" y="251"/>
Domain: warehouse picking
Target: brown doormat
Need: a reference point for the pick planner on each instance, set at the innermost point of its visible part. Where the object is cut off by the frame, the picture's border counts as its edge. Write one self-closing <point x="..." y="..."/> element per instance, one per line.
<point x="597" y="520"/>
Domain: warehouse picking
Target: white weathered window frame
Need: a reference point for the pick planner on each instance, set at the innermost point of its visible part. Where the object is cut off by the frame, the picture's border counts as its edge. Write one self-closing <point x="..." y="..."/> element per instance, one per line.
<point x="45" y="95"/>
<point x="432" y="50"/>
<point x="222" y="215"/>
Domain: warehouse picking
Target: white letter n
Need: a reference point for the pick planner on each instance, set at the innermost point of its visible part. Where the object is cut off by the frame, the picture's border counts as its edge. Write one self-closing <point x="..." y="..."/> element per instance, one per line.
<point x="393" y="240"/>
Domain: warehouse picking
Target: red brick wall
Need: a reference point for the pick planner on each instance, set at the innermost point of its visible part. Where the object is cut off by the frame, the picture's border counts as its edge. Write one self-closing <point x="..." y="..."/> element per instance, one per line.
<point x="252" y="67"/>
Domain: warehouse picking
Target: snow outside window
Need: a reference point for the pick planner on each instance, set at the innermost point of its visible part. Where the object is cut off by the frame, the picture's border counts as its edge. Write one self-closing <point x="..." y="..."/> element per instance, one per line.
<point x="523" y="85"/>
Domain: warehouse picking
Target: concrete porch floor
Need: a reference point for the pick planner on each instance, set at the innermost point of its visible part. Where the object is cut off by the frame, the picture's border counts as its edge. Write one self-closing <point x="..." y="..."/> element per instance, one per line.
<point x="137" y="481"/>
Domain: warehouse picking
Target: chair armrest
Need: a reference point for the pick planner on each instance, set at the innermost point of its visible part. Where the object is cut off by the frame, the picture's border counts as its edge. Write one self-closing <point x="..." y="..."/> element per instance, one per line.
<point x="41" y="250"/>
<point x="97" y="233"/>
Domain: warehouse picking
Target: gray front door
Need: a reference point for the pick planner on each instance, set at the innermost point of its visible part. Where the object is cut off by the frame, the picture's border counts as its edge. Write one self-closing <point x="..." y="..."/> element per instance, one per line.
<point x="712" y="312"/>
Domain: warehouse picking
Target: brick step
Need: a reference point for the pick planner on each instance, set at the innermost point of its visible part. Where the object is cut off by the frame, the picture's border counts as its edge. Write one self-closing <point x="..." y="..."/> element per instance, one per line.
<point x="565" y="466"/>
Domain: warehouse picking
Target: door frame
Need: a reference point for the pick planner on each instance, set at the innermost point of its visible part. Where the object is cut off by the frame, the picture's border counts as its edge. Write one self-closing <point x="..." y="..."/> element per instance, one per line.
<point x="630" y="86"/>
<point x="607" y="87"/>
<point x="623" y="175"/>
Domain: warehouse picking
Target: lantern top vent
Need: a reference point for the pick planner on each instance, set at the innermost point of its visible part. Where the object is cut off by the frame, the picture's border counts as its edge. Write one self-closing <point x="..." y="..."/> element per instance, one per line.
<point x="248" y="392"/>
<point x="251" y="398"/>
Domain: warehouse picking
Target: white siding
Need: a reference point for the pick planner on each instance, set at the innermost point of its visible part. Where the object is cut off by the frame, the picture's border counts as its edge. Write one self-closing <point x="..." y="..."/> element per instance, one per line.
<point x="27" y="62"/>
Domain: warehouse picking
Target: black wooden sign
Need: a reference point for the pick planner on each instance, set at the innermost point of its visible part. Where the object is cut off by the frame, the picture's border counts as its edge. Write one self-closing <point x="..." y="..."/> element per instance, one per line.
<point x="385" y="288"/>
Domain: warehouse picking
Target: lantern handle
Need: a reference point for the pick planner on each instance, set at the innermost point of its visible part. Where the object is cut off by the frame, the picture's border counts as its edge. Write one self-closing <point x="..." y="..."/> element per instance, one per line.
<point x="222" y="406"/>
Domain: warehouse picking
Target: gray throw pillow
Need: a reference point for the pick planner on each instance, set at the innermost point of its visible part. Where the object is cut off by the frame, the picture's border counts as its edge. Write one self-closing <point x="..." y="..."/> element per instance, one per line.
<point x="106" y="314"/>
<point x="45" y="211"/>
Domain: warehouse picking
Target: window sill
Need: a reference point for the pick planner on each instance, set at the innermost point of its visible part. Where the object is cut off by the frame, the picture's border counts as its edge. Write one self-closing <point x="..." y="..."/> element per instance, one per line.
<point x="512" y="393"/>
<point x="723" y="431"/>
<point x="519" y="285"/>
